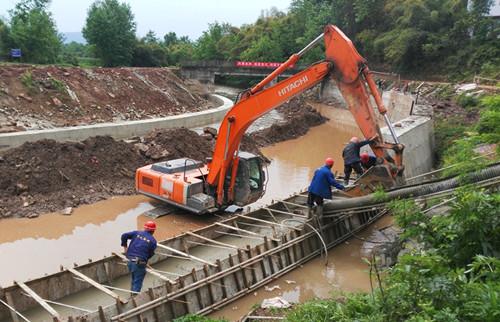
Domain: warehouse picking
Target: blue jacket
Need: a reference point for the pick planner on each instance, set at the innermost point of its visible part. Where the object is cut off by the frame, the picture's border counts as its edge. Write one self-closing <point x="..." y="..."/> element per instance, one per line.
<point x="322" y="180"/>
<point x="142" y="244"/>
<point x="351" y="151"/>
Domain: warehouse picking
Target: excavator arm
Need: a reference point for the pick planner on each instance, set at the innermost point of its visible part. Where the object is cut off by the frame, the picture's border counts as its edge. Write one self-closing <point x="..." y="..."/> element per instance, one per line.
<point x="344" y="64"/>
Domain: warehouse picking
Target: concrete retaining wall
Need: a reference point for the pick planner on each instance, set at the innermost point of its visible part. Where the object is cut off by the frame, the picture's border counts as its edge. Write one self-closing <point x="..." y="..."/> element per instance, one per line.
<point x="417" y="134"/>
<point x="120" y="130"/>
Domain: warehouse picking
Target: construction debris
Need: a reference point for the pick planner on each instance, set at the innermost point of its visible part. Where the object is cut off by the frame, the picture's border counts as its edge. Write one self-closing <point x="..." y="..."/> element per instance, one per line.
<point x="275" y="303"/>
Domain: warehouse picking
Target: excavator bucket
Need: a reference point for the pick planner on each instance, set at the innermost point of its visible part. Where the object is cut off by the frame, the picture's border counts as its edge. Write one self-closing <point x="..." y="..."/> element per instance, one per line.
<point x="376" y="177"/>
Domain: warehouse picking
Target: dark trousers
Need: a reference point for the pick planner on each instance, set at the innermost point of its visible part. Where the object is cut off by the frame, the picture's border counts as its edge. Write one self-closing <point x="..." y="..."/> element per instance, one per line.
<point x="348" y="169"/>
<point x="314" y="198"/>
<point x="138" y="272"/>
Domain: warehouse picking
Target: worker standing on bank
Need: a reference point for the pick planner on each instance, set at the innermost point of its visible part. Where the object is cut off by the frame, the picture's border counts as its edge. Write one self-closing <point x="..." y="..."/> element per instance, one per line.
<point x="351" y="157"/>
<point x="321" y="182"/>
<point x="141" y="248"/>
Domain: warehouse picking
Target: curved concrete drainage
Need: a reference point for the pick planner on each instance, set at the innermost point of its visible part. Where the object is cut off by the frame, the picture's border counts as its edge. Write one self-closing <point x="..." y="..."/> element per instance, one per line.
<point x="120" y="130"/>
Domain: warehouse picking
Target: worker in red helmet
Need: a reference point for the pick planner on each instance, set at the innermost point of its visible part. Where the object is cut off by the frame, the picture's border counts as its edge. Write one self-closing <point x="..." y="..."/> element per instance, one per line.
<point x="322" y="180"/>
<point x="351" y="156"/>
<point x="141" y="248"/>
<point x="367" y="161"/>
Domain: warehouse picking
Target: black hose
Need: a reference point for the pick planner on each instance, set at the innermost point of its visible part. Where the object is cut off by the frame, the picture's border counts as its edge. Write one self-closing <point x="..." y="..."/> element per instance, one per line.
<point x="414" y="191"/>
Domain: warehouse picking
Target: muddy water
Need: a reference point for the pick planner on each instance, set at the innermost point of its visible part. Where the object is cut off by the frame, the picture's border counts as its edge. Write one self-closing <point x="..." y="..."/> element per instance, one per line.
<point x="39" y="246"/>
<point x="345" y="271"/>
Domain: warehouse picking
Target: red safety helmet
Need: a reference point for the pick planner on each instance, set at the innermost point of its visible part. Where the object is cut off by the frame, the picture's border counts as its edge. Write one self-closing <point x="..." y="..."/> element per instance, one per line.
<point x="329" y="162"/>
<point x="150" y="226"/>
<point x="364" y="157"/>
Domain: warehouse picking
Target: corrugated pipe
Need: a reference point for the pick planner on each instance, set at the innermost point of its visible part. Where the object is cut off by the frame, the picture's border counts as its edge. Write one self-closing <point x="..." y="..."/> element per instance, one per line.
<point x="414" y="191"/>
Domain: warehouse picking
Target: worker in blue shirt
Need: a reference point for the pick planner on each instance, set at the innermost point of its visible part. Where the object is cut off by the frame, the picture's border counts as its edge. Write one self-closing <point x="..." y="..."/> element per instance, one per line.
<point x="322" y="180"/>
<point x="141" y="248"/>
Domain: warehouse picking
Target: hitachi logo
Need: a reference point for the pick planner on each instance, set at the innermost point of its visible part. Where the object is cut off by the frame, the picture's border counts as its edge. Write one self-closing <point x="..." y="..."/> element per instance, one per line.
<point x="299" y="82"/>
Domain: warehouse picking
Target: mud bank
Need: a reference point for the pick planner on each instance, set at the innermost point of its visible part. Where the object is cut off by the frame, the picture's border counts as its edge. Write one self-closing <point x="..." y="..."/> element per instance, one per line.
<point x="47" y="176"/>
<point x="39" y="97"/>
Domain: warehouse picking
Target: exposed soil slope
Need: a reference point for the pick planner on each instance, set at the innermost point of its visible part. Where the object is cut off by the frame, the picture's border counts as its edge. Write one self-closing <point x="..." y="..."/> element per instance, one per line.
<point x="35" y="97"/>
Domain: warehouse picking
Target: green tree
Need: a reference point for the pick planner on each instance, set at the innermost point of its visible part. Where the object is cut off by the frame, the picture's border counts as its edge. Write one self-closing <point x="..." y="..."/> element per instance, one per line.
<point x="110" y="27"/>
<point x="263" y="49"/>
<point x="208" y="45"/>
<point x="148" y="52"/>
<point x="151" y="38"/>
<point x="170" y="39"/>
<point x="33" y="31"/>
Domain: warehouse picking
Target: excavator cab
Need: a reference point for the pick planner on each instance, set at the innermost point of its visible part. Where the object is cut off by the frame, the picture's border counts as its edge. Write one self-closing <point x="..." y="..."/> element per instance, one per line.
<point x="250" y="179"/>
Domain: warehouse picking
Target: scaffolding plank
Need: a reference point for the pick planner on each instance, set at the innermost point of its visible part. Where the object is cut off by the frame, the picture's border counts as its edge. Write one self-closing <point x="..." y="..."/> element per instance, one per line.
<point x="39" y="300"/>
<point x="173" y="250"/>
<point x="269" y="222"/>
<point x="285" y="212"/>
<point x="212" y="241"/>
<point x="239" y="229"/>
<point x="149" y="270"/>
<point x="96" y="284"/>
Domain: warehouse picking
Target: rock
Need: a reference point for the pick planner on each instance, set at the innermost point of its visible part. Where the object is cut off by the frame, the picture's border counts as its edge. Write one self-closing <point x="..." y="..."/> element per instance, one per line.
<point x="210" y="130"/>
<point x="80" y="146"/>
<point x="26" y="204"/>
<point x="67" y="211"/>
<point x="57" y="102"/>
<point x="31" y="216"/>
<point x="207" y="136"/>
<point x="143" y="148"/>
<point x="66" y="74"/>
<point x="272" y="288"/>
<point x="111" y="95"/>
<point x="156" y="155"/>
<point x="21" y="188"/>
<point x="29" y="99"/>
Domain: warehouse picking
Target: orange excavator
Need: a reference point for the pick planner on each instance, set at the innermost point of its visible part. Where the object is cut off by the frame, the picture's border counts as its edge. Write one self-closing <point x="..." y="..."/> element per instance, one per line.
<point x="236" y="177"/>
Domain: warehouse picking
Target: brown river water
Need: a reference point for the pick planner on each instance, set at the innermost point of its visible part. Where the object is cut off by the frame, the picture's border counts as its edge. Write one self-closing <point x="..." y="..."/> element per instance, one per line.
<point x="40" y="246"/>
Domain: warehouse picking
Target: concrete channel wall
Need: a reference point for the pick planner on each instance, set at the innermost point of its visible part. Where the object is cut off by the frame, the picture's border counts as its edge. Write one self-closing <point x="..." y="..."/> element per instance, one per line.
<point x="417" y="134"/>
<point x="120" y="130"/>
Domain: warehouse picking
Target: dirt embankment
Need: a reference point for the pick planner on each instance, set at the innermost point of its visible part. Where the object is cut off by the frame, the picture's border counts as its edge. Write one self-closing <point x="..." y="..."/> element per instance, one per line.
<point x="37" y="97"/>
<point x="48" y="176"/>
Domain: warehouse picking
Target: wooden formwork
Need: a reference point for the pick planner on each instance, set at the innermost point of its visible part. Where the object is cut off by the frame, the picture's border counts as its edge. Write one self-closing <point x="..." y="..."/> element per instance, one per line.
<point x="282" y="238"/>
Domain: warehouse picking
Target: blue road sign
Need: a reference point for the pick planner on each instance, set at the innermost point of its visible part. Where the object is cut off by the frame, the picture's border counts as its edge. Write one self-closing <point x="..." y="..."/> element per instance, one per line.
<point x="15" y="53"/>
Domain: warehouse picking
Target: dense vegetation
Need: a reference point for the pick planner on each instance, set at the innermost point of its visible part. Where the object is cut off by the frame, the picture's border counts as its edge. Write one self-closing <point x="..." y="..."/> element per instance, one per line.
<point x="425" y="37"/>
<point x="458" y="138"/>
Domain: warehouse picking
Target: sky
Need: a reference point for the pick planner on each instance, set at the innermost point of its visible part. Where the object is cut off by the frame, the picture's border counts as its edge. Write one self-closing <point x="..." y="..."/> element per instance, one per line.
<point x="184" y="17"/>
